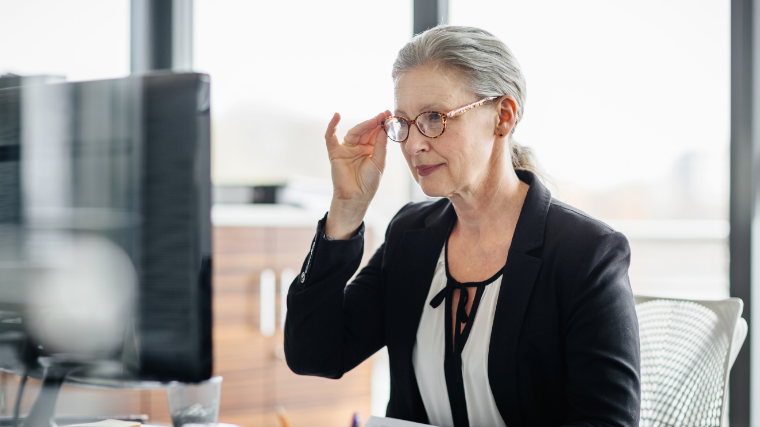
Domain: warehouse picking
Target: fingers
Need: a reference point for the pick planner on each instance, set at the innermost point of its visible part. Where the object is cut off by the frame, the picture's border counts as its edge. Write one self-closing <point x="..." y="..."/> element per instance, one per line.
<point x="365" y="133"/>
<point x="330" y="137"/>
<point x="380" y="117"/>
<point x="380" y="149"/>
<point x="362" y="133"/>
<point x="369" y="129"/>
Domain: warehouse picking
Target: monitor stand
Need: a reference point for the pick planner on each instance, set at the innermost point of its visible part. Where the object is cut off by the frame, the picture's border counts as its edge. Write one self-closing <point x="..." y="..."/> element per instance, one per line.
<point x="43" y="410"/>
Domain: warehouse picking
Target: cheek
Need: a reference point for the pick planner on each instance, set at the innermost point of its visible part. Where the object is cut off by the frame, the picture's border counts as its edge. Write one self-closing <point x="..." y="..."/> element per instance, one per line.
<point x="461" y="152"/>
<point x="408" y="159"/>
<point x="404" y="153"/>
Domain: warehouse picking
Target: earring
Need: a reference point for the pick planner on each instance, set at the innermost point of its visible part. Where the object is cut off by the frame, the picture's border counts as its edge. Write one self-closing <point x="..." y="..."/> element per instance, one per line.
<point x="501" y="134"/>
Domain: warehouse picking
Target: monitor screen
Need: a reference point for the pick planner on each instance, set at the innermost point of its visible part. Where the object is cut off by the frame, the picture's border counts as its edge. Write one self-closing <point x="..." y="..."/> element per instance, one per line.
<point x="105" y="230"/>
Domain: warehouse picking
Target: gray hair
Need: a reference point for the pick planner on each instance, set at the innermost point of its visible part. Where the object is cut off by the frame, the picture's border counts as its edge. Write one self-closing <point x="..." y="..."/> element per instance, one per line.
<point x="485" y="64"/>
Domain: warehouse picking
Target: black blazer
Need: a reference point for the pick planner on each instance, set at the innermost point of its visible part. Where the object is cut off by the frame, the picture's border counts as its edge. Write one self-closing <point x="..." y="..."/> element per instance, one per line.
<point x="564" y="344"/>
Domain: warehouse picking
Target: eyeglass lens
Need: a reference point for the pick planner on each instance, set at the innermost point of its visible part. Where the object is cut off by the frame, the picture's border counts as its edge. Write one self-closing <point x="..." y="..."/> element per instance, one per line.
<point x="397" y="129"/>
<point x="429" y="124"/>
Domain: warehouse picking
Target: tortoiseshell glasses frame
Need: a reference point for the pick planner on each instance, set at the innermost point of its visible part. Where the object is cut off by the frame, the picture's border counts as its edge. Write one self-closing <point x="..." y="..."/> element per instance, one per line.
<point x="433" y="121"/>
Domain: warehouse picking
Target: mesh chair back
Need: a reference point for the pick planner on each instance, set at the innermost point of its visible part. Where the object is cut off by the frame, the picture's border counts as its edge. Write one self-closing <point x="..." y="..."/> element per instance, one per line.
<point x="687" y="350"/>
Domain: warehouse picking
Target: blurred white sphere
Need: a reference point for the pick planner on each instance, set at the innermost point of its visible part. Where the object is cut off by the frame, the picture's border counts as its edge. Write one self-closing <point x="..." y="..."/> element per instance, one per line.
<point x="81" y="299"/>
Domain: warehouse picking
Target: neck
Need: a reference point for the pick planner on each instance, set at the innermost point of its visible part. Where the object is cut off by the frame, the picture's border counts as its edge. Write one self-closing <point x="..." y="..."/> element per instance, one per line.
<point x="491" y="209"/>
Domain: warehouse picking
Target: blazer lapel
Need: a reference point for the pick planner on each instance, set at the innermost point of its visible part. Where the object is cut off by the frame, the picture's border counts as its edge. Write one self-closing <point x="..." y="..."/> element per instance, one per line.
<point x="518" y="278"/>
<point x="409" y="283"/>
<point x="414" y="266"/>
<point x="517" y="284"/>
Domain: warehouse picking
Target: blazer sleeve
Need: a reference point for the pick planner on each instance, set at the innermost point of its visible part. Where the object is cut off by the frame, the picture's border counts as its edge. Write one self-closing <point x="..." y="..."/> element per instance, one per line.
<point x="602" y="339"/>
<point x="332" y="327"/>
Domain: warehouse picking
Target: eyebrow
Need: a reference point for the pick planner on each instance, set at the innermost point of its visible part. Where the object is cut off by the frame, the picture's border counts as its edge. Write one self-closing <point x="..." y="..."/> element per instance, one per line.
<point x="427" y="107"/>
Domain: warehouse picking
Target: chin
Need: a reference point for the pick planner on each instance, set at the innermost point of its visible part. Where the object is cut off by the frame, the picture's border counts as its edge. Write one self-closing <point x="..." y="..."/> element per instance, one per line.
<point x="432" y="187"/>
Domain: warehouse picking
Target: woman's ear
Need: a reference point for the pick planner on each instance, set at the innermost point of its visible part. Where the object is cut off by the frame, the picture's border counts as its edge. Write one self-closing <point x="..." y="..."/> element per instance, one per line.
<point x="506" y="110"/>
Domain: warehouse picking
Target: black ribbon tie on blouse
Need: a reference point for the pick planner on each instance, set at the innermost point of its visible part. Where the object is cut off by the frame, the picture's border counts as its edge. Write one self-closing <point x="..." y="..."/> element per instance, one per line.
<point x="448" y="291"/>
<point x="453" y="360"/>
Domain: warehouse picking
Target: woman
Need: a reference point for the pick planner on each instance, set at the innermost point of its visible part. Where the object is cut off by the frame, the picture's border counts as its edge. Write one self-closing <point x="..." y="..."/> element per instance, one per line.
<point x="498" y="304"/>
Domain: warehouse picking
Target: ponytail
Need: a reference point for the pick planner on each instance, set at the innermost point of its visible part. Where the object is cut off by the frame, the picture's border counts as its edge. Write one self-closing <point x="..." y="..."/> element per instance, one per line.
<point x="523" y="157"/>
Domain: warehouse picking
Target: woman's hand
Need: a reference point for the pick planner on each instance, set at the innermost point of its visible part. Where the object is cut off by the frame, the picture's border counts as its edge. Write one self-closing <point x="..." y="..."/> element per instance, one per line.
<point x="356" y="172"/>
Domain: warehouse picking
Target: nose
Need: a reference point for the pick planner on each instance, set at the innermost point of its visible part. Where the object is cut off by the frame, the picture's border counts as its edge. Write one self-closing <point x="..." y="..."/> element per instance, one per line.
<point x="416" y="142"/>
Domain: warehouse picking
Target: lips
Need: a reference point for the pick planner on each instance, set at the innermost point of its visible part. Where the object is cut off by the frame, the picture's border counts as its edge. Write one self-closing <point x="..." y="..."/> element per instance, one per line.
<point x="425" y="170"/>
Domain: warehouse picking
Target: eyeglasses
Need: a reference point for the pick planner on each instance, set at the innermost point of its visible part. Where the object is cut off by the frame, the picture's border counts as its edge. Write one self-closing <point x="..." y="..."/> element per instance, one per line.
<point x="432" y="124"/>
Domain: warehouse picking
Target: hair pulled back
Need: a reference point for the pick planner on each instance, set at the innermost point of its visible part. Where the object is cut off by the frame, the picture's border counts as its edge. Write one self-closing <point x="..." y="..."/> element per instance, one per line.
<point x="482" y="61"/>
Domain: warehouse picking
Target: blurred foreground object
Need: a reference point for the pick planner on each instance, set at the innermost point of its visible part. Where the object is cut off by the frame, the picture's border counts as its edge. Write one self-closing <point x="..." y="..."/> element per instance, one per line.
<point x="108" y="423"/>
<point x="105" y="232"/>
<point x="687" y="351"/>
<point x="374" y="421"/>
<point x="282" y="416"/>
<point x="76" y="292"/>
<point x="195" y="403"/>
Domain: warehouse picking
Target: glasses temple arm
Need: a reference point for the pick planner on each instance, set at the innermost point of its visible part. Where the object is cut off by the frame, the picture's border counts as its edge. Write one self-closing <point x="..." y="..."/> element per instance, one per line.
<point x="470" y="106"/>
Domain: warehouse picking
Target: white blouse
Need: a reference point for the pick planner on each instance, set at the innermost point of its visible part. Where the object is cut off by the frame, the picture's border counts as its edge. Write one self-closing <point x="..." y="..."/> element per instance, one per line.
<point x="429" y="354"/>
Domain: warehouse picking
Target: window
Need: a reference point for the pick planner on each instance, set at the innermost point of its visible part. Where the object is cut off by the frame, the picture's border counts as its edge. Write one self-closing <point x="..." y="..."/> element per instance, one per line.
<point x="628" y="113"/>
<point x="78" y="39"/>
<point x="280" y="70"/>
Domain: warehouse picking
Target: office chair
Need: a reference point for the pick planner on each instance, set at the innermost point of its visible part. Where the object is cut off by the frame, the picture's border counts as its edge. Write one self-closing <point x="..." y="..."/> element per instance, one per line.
<point x="687" y="351"/>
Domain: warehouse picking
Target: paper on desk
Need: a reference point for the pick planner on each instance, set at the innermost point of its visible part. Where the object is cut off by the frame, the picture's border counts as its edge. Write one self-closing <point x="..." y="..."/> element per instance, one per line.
<point x="390" y="422"/>
<point x="108" y="423"/>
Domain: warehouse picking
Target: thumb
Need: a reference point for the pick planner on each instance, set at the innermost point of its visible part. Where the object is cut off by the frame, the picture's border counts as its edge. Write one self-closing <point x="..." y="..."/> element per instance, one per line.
<point x="381" y="148"/>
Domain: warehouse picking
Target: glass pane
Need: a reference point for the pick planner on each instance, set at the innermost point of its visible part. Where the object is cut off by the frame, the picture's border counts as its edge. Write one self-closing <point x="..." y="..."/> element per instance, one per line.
<point x="628" y="113"/>
<point x="78" y="39"/>
<point x="279" y="76"/>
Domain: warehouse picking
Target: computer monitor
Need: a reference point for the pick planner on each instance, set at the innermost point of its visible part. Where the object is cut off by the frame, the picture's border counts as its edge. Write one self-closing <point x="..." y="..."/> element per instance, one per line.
<point x="103" y="184"/>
